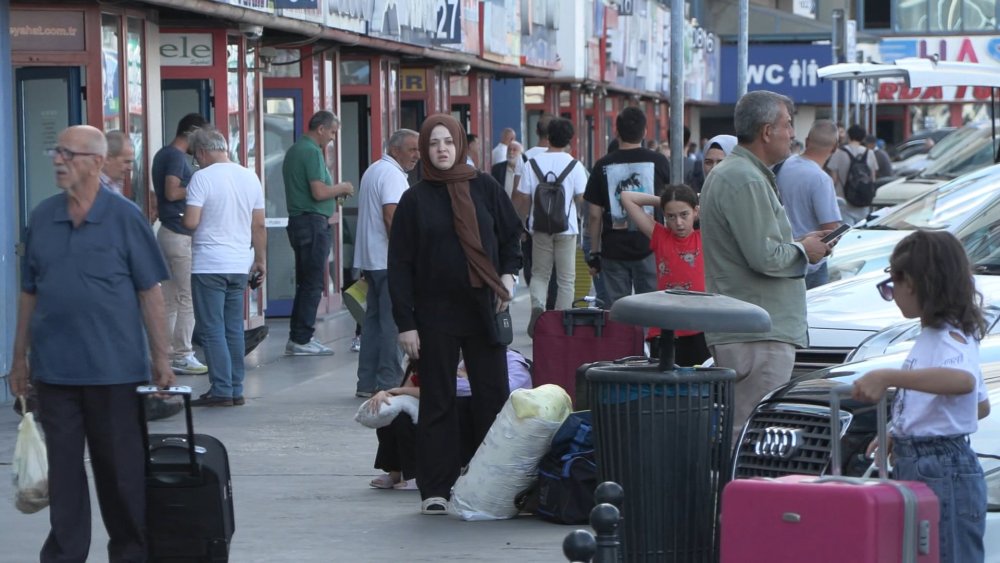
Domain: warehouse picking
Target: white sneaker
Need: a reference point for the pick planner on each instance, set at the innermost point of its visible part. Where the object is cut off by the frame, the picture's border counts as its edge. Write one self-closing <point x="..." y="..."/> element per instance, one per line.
<point x="356" y="344"/>
<point x="311" y="348"/>
<point x="188" y="366"/>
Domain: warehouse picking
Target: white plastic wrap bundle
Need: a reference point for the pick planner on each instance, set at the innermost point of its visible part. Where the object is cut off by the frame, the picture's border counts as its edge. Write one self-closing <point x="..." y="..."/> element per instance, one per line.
<point x="507" y="461"/>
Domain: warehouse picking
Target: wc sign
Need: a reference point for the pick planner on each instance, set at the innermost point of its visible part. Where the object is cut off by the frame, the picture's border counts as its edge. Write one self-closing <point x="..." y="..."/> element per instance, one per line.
<point x="788" y="69"/>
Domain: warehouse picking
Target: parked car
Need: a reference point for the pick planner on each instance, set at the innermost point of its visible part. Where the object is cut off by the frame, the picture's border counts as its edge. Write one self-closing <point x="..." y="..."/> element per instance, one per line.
<point x="976" y="150"/>
<point x="899" y="337"/>
<point x="968" y="206"/>
<point x="916" y="145"/>
<point x="918" y="161"/>
<point x="801" y="408"/>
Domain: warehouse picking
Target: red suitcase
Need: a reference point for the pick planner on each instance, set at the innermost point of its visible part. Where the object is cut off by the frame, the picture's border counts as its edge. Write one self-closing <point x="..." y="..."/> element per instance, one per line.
<point x="565" y="340"/>
<point x="830" y="519"/>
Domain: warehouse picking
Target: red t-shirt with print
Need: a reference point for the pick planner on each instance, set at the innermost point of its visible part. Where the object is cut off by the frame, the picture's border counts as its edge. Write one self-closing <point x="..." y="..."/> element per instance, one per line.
<point x="679" y="264"/>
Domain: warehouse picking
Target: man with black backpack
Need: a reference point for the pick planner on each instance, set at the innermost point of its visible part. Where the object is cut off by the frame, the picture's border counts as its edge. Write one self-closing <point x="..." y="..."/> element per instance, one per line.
<point x="549" y="192"/>
<point x="853" y="169"/>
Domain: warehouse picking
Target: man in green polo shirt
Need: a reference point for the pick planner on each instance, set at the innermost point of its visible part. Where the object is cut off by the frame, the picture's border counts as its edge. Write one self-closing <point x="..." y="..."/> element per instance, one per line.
<point x="310" y="194"/>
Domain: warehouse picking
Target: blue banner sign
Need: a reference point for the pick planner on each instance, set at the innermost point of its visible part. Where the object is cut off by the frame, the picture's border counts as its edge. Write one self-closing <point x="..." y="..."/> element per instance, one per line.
<point x="785" y="68"/>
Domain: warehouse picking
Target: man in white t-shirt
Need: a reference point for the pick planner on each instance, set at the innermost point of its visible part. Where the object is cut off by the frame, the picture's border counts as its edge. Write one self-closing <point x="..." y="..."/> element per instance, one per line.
<point x="225" y="209"/>
<point x="381" y="187"/>
<point x="553" y="248"/>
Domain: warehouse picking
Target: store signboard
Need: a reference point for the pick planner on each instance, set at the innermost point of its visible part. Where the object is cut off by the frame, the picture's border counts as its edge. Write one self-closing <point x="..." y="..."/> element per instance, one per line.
<point x="186" y="49"/>
<point x="259" y="5"/>
<point x="787" y="68"/>
<point x="539" y="28"/>
<point x="983" y="49"/>
<point x="502" y="31"/>
<point x="46" y="30"/>
<point x="443" y="23"/>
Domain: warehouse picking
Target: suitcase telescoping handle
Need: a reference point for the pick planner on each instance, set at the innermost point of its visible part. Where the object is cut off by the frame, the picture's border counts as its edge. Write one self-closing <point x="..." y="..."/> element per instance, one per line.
<point x="882" y="451"/>
<point x="185" y="393"/>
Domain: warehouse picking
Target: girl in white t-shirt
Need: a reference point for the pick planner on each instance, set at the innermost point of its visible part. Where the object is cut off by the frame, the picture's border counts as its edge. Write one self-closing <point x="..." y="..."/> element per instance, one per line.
<point x="939" y="391"/>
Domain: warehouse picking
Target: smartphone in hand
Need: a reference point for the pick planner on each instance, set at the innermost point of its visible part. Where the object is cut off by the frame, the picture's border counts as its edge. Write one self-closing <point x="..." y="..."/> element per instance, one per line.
<point x="836" y="233"/>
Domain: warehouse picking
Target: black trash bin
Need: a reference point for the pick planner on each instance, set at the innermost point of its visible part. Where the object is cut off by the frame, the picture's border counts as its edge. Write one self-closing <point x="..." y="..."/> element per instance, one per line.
<point x="663" y="433"/>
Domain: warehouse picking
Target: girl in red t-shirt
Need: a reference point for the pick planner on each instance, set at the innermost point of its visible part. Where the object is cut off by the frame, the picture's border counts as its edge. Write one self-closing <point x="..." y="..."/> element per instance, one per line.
<point x="677" y="248"/>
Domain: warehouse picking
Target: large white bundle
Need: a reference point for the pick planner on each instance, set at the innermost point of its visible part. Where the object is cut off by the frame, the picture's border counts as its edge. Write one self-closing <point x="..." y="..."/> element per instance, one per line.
<point x="507" y="461"/>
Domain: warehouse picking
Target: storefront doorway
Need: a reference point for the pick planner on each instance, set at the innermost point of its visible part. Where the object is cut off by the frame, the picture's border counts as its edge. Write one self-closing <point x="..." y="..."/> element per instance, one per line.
<point x="48" y="100"/>
<point x="282" y="126"/>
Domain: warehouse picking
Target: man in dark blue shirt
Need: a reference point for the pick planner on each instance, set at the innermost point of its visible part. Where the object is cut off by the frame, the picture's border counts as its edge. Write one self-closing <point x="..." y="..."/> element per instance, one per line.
<point x="171" y="172"/>
<point x="90" y="305"/>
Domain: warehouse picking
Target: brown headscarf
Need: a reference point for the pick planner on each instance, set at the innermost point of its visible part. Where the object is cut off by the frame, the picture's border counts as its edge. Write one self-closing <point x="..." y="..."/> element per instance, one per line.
<point x="481" y="269"/>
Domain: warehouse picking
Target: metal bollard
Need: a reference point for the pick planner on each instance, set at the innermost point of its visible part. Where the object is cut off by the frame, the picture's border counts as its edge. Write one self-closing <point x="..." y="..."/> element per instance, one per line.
<point x="604" y="519"/>
<point x="579" y="546"/>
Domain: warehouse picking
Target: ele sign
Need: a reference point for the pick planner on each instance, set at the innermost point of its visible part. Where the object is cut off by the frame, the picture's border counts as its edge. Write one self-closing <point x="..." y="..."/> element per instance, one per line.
<point x="186" y="49"/>
<point x="975" y="49"/>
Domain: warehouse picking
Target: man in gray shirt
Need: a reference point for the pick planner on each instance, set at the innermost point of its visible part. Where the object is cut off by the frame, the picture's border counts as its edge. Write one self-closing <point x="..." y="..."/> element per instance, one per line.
<point x="840" y="164"/>
<point x="750" y="253"/>
<point x="807" y="192"/>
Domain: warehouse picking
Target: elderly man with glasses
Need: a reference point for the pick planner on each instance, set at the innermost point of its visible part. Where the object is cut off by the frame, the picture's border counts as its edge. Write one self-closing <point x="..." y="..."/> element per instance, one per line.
<point x="90" y="308"/>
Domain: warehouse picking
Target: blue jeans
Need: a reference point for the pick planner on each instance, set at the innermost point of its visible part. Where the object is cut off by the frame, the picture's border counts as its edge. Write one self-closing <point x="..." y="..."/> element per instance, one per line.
<point x="218" y="314"/>
<point x="310" y="237"/>
<point x="950" y="468"/>
<point x="379" y="361"/>
<point x="621" y="276"/>
<point x="820" y="277"/>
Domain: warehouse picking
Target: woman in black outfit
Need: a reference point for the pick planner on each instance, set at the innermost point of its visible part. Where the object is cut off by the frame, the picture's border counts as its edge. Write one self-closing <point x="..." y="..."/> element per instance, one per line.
<point x="453" y="251"/>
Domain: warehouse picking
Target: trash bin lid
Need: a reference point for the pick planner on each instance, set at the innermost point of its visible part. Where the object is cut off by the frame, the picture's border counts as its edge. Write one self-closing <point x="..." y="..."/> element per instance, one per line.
<point x="677" y="309"/>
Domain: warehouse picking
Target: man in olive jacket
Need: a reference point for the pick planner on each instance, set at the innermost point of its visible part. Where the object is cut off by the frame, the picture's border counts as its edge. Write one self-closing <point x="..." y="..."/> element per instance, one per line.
<point x="750" y="254"/>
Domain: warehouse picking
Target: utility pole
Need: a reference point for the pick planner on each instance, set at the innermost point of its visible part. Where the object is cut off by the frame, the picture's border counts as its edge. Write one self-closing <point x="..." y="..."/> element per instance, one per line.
<point x="836" y="43"/>
<point x="677" y="91"/>
<point x="743" y="49"/>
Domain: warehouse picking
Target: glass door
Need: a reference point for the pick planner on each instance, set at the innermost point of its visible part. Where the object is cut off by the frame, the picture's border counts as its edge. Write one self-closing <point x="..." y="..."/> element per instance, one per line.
<point x="282" y="126"/>
<point x="49" y="99"/>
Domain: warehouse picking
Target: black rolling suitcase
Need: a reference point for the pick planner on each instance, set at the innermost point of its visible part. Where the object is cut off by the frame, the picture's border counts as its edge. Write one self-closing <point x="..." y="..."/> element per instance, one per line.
<point x="189" y="493"/>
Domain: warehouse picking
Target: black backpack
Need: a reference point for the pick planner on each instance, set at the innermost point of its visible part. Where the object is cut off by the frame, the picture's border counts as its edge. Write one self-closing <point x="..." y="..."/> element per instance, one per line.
<point x="859" y="187"/>
<point x="549" y="205"/>
<point x="567" y="475"/>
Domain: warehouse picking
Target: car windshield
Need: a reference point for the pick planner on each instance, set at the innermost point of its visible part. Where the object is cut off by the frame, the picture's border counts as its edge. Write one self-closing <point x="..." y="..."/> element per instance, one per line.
<point x="975" y="152"/>
<point x="950" y="141"/>
<point x="950" y="205"/>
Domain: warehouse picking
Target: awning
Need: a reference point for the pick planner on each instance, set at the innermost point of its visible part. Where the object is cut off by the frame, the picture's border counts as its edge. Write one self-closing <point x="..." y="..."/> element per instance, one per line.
<point x="917" y="72"/>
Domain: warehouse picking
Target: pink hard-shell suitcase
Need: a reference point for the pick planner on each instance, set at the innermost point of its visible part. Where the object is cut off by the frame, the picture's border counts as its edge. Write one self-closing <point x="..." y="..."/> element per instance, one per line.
<point x="832" y="519"/>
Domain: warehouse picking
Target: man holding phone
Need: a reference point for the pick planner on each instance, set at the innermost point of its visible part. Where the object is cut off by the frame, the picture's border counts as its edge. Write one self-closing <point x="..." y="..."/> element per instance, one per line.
<point x="750" y="253"/>
<point x="808" y="194"/>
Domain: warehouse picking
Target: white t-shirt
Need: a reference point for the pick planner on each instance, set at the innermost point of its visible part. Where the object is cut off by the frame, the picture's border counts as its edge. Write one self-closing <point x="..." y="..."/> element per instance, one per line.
<point x="227" y="194"/>
<point x="574" y="184"/>
<point x="382" y="184"/>
<point x="499" y="154"/>
<point x="534" y="151"/>
<point x="915" y="413"/>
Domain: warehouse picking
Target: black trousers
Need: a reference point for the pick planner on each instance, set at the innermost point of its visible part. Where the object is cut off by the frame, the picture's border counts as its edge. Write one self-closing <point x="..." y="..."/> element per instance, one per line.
<point x="106" y="418"/>
<point x="397" y="446"/>
<point x="438" y="430"/>
<point x="310" y="237"/>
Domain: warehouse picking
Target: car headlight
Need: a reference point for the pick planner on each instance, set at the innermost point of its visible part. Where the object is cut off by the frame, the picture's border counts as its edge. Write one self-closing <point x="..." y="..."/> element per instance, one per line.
<point x="842" y="271"/>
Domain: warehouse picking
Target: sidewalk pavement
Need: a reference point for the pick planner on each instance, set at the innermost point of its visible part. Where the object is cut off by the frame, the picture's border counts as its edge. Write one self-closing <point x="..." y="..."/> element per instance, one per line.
<point x="301" y="467"/>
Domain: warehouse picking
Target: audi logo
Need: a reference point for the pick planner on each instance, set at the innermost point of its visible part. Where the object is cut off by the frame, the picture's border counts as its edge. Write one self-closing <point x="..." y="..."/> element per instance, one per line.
<point x="778" y="442"/>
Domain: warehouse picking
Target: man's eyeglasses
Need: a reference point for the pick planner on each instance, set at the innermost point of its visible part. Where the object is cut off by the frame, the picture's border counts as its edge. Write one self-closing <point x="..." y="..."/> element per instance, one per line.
<point x="67" y="154"/>
<point x="884" y="287"/>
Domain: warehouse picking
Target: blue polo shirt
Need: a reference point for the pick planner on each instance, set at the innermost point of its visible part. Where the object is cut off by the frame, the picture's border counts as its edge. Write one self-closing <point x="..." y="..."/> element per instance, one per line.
<point x="87" y="326"/>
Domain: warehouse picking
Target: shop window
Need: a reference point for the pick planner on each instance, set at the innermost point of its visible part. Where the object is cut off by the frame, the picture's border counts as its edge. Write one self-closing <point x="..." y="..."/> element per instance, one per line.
<point x="979" y="15"/>
<point x="564" y="98"/>
<point x="111" y="69"/>
<point x="876" y="14"/>
<point x="942" y="16"/>
<point x="534" y="95"/>
<point x="932" y="116"/>
<point x="233" y="100"/>
<point x="459" y="85"/>
<point x="355" y="73"/>
<point x="134" y="47"/>
<point x="285" y="63"/>
<point x="250" y="60"/>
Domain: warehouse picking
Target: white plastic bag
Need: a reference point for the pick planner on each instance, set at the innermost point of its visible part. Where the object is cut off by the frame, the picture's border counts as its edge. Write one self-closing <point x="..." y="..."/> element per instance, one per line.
<point x="507" y="461"/>
<point x="388" y="411"/>
<point x="31" y="466"/>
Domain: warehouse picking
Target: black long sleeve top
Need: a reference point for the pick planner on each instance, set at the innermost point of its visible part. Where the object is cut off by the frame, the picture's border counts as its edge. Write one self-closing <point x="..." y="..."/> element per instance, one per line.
<point x="428" y="272"/>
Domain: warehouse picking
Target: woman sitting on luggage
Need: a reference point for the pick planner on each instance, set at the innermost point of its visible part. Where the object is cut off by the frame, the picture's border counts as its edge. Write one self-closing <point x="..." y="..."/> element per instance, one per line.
<point x="453" y="253"/>
<point x="397" y="443"/>
<point x="679" y="262"/>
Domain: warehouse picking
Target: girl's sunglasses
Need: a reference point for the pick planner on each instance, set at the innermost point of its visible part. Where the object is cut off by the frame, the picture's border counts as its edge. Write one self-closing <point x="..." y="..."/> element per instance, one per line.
<point x="884" y="287"/>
